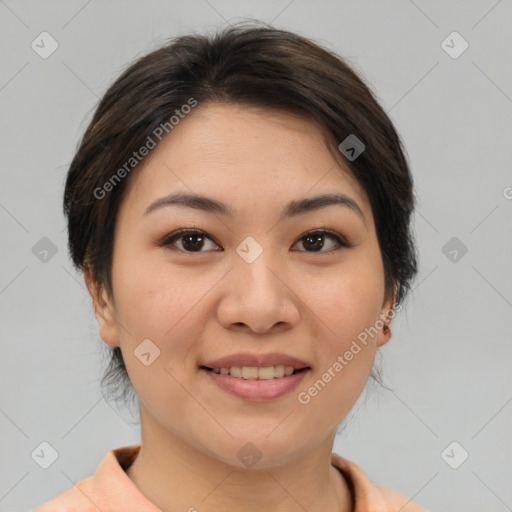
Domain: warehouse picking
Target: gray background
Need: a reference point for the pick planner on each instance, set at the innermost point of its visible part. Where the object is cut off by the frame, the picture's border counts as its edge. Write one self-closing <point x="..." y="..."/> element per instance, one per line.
<point x="448" y="363"/>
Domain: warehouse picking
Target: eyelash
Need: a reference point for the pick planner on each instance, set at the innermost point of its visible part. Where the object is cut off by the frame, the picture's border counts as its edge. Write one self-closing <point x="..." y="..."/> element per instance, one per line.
<point x="169" y="239"/>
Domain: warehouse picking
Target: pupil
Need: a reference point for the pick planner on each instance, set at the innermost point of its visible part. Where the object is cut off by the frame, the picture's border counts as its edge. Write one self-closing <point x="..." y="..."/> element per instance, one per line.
<point x="316" y="241"/>
<point x="187" y="240"/>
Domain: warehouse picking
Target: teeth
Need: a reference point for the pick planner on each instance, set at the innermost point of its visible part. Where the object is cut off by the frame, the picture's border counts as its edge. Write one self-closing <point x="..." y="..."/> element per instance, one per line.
<point x="255" y="372"/>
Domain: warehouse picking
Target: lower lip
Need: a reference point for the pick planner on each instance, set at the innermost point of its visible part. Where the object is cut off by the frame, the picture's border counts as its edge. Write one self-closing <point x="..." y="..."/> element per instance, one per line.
<point x="258" y="390"/>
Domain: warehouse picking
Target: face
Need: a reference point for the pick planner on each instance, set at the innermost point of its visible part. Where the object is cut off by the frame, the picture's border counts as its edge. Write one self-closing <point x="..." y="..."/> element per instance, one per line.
<point x="258" y="278"/>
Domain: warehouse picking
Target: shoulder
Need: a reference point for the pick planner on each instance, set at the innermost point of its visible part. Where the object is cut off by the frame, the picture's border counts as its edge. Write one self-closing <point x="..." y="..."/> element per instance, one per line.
<point x="108" y="486"/>
<point x="73" y="500"/>
<point x="397" y="501"/>
<point x="370" y="496"/>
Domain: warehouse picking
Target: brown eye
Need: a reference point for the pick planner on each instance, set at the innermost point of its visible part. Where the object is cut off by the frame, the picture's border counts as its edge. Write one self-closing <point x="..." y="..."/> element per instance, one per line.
<point x="191" y="240"/>
<point x="314" y="241"/>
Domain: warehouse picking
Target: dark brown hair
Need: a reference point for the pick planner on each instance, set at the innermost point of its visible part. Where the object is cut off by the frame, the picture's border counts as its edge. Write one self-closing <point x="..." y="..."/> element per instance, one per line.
<point x="255" y="65"/>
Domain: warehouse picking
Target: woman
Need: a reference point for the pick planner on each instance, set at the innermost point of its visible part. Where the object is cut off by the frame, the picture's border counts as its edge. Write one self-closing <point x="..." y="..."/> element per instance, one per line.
<point x="240" y="206"/>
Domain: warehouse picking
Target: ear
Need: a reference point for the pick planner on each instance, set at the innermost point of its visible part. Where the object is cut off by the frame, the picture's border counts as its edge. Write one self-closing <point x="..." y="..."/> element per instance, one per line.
<point x="103" y="309"/>
<point x="386" y="315"/>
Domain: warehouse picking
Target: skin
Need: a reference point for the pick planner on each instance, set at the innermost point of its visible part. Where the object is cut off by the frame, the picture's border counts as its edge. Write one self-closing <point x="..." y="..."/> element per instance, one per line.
<point x="200" y="305"/>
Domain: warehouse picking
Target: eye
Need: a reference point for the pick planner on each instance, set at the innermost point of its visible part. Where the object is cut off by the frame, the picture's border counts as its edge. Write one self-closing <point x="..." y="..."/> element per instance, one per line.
<point x="314" y="240"/>
<point x="191" y="240"/>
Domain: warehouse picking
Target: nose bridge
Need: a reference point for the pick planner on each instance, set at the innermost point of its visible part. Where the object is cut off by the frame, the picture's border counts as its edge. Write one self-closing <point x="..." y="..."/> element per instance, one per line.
<point x="257" y="265"/>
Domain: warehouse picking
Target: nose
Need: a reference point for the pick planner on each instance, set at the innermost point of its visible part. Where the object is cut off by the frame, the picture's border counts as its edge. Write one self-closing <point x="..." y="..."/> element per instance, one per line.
<point x="257" y="297"/>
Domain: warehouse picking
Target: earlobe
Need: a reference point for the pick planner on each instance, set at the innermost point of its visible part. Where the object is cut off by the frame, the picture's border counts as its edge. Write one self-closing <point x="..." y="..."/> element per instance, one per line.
<point x="103" y="309"/>
<point x="386" y="318"/>
<point x="384" y="335"/>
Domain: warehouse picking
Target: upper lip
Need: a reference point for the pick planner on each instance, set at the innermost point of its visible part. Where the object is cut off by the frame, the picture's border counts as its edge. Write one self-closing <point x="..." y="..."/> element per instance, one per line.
<point x="262" y="360"/>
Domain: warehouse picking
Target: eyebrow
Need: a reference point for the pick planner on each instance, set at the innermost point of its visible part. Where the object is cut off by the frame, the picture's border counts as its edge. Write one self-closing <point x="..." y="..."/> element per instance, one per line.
<point x="292" y="209"/>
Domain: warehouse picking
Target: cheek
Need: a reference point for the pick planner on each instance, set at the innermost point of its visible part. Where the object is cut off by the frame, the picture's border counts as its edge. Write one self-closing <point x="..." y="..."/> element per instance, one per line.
<point x="348" y="299"/>
<point x="162" y="307"/>
<point x="154" y="298"/>
<point x="346" y="307"/>
<point x="158" y="303"/>
<point x="344" y="341"/>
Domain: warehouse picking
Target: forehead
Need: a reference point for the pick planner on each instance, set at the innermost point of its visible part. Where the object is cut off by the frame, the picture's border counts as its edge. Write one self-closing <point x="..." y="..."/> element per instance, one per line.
<point x="245" y="154"/>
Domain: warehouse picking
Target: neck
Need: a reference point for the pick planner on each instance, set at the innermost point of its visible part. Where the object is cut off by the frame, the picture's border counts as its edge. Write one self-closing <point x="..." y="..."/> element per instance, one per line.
<point x="177" y="476"/>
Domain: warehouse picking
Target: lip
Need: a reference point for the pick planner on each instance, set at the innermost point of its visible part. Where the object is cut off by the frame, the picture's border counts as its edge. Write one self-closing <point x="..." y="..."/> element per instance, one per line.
<point x="255" y="389"/>
<point x="247" y="359"/>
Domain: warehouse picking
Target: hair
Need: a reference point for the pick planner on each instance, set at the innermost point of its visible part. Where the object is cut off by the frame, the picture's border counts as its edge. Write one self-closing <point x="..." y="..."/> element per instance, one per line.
<point x="253" y="65"/>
